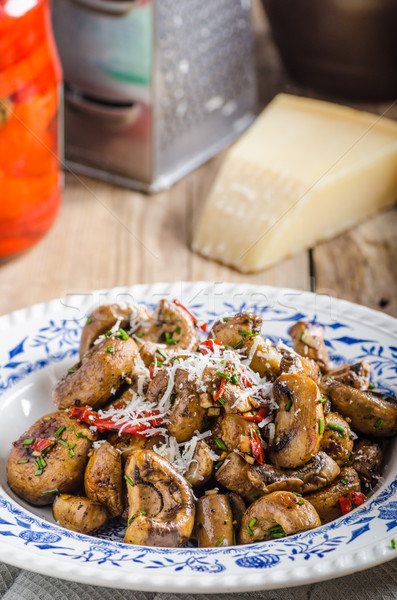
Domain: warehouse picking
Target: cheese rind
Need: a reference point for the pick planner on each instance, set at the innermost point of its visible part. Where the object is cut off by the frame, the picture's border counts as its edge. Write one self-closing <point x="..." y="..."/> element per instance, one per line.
<point x="304" y="172"/>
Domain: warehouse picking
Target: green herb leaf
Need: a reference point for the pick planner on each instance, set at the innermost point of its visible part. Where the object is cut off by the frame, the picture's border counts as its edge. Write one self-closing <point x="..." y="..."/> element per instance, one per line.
<point x="379" y="423"/>
<point x="89" y="319"/>
<point x="59" y="431"/>
<point x="288" y="406"/>
<point x="72" y="370"/>
<point x="54" y="491"/>
<point x="122" y="335"/>
<point x="128" y="480"/>
<point x="162" y="353"/>
<point x="221" y="444"/>
<point x="22" y="462"/>
<point x="110" y="349"/>
<point x="27" y="441"/>
<point x="321" y="426"/>
<point x="219" y="542"/>
<point x="252" y="522"/>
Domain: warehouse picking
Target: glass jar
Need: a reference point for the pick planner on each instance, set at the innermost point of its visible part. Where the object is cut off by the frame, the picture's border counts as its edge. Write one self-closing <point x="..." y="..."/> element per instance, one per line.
<point x="30" y="78"/>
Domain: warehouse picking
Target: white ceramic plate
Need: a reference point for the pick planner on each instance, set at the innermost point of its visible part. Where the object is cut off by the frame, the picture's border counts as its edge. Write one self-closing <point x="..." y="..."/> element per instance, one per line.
<point x="37" y="346"/>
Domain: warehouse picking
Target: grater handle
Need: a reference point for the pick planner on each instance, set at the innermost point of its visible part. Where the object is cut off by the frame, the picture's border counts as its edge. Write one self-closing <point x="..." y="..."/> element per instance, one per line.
<point x="114" y="7"/>
<point x="105" y="110"/>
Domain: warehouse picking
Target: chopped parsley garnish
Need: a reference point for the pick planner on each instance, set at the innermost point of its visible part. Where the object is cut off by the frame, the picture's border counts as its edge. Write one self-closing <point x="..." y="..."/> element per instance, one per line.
<point x="178" y="330"/>
<point x="27" y="441"/>
<point x="393" y="544"/>
<point x="322" y="400"/>
<point x="108" y="333"/>
<point x="371" y="386"/>
<point x="59" y="431"/>
<point x="72" y="370"/>
<point x="321" y="426"/>
<point x="22" y="462"/>
<point x="344" y="481"/>
<point x="252" y="522"/>
<point x="221" y="400"/>
<point x="288" y="406"/>
<point x="63" y="443"/>
<point x="219" y="542"/>
<point x="89" y="319"/>
<point x="218" y="464"/>
<point x="110" y="349"/>
<point x="300" y="502"/>
<point x="379" y="423"/>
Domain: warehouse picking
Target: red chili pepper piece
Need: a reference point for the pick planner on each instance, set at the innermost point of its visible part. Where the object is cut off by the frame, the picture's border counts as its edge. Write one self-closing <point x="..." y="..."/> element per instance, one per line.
<point x="40" y="444"/>
<point x="219" y="393"/>
<point x="246" y="381"/>
<point x="345" y="504"/>
<point x="351" y="500"/>
<point x="87" y="415"/>
<point x="256" y="446"/>
<point x="258" y="417"/>
<point x="189" y="312"/>
<point x="357" y="498"/>
<point x="209" y="346"/>
<point x="203" y="327"/>
<point x="151" y="371"/>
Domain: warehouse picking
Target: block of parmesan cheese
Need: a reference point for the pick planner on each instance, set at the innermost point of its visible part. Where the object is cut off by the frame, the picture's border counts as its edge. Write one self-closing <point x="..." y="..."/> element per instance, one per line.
<point x="305" y="171"/>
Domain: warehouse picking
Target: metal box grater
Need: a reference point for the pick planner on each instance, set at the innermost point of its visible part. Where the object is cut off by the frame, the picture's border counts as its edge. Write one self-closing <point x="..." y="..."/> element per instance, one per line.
<point x="153" y="88"/>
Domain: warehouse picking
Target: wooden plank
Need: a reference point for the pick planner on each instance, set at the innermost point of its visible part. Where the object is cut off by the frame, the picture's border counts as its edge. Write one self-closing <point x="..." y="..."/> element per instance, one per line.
<point x="361" y="265"/>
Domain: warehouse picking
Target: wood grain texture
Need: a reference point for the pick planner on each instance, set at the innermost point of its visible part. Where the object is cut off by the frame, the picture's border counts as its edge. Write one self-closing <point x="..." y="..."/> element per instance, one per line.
<point x="361" y="265"/>
<point x="107" y="236"/>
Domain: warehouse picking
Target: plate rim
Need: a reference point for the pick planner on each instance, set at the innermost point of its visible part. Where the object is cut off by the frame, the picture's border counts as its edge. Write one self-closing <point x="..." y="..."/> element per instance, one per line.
<point x="88" y="574"/>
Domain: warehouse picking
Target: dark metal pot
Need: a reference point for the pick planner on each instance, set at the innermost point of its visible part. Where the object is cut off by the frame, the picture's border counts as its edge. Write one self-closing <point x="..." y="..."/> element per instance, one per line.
<point x="343" y="47"/>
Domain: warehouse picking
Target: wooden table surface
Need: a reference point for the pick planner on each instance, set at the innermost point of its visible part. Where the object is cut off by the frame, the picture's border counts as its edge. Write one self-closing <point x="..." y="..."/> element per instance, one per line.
<point x="108" y="236"/>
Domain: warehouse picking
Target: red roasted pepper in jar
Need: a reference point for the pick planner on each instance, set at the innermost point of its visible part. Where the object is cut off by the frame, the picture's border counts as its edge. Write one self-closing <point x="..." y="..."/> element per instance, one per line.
<point x="30" y="77"/>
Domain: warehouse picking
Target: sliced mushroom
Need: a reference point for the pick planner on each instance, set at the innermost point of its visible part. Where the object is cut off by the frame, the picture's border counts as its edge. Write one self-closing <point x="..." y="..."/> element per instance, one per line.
<point x="102" y="372"/>
<point x="276" y="515"/>
<point x="200" y="469"/>
<point x="161" y="503"/>
<point x="38" y="475"/>
<point x="126" y="443"/>
<point x="233" y="475"/>
<point x="326" y="500"/>
<point x="299" y="421"/>
<point x="293" y="363"/>
<point x="366" y="459"/>
<point x="356" y="375"/>
<point x="308" y="341"/>
<point x="103" y="478"/>
<point x="369" y="413"/>
<point x="317" y="473"/>
<point x="238" y="507"/>
<point x="101" y="320"/>
<point x="233" y="331"/>
<point x="337" y="440"/>
<point x="214" y="520"/>
<point x="262" y="356"/>
<point x="79" y="513"/>
<point x="229" y="429"/>
<point x="187" y="414"/>
<point x="172" y="325"/>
